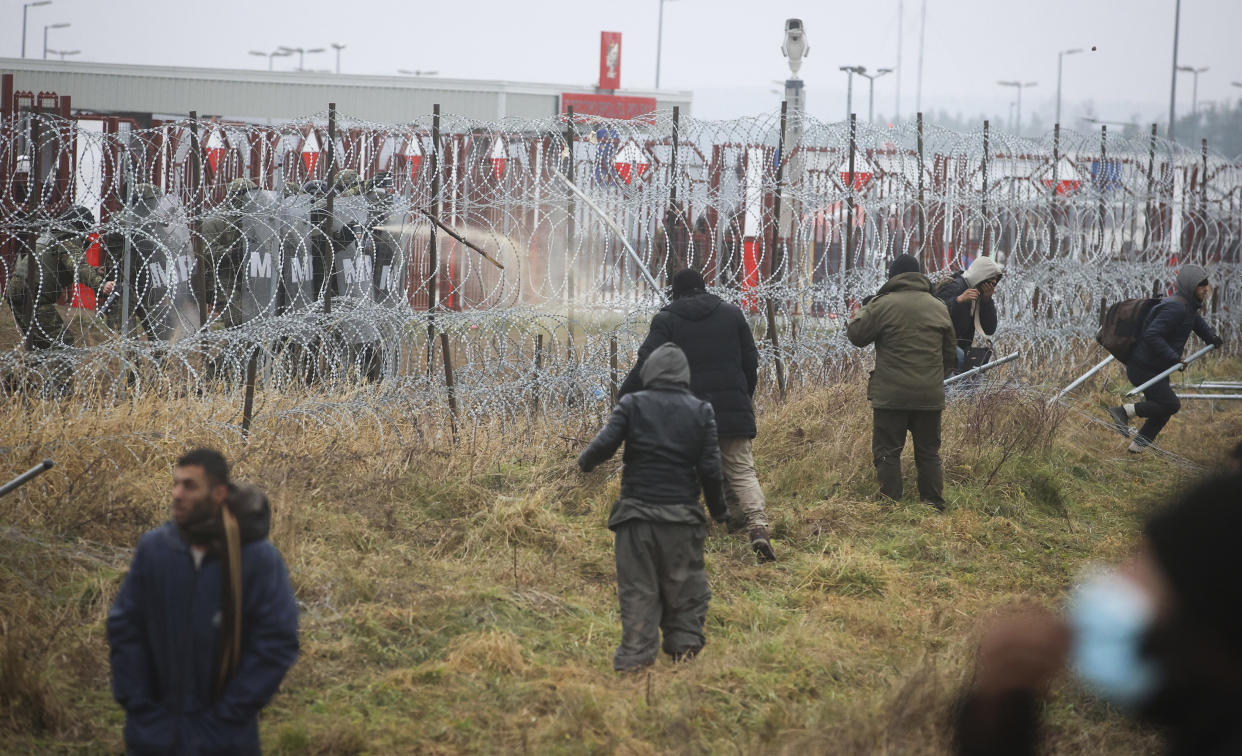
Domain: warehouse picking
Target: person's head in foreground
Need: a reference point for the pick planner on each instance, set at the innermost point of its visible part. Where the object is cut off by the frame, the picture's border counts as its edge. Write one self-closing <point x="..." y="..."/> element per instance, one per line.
<point x="1160" y="637"/>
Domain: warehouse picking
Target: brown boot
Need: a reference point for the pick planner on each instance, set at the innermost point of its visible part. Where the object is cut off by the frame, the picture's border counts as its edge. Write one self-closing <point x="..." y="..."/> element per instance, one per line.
<point x="761" y="546"/>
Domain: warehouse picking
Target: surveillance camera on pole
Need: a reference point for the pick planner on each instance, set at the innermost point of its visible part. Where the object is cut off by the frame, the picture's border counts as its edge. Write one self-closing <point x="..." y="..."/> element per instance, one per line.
<point x="795" y="47"/>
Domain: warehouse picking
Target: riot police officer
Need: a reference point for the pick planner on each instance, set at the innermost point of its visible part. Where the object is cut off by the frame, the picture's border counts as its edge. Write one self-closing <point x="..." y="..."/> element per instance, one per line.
<point x="59" y="261"/>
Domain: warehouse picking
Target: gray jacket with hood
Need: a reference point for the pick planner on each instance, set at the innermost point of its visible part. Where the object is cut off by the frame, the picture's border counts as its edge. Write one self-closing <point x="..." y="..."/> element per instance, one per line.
<point x="1169" y="324"/>
<point x="670" y="446"/>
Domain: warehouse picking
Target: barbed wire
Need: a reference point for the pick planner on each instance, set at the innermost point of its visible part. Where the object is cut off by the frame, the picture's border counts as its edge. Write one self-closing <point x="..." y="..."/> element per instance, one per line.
<point x="312" y="249"/>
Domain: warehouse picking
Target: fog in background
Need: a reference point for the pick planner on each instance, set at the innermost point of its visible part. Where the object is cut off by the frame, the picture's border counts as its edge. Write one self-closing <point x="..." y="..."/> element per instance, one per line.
<point x="725" y="51"/>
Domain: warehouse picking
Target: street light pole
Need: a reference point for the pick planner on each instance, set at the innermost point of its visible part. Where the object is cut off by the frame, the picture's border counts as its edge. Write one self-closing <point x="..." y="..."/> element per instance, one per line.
<point x="849" y="87"/>
<point x="269" y="56"/>
<point x="1194" y="91"/>
<point x="61" y="25"/>
<point x="871" y="90"/>
<point x="1061" y="55"/>
<point x="338" y="49"/>
<point x="1177" y="21"/>
<point x="24" y="7"/>
<point x="301" y="53"/>
<point x="1020" y="85"/>
<point x="660" y="41"/>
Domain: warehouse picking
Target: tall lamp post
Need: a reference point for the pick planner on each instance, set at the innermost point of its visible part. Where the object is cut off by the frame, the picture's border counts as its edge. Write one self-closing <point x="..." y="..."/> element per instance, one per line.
<point x="1020" y="85"/>
<point x="269" y="56"/>
<point x="24" y="7"/>
<point x="338" y="48"/>
<point x="849" y="88"/>
<point x="1177" y="22"/>
<point x="660" y="40"/>
<point x="301" y="53"/>
<point x="1194" y="96"/>
<point x="871" y="89"/>
<point x="62" y="25"/>
<point x="1061" y="55"/>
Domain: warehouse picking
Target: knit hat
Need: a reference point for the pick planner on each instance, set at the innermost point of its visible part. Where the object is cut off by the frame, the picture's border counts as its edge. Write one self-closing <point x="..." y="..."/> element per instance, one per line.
<point x="982" y="269"/>
<point x="904" y="264"/>
<point x="687" y="282"/>
<point x="1195" y="541"/>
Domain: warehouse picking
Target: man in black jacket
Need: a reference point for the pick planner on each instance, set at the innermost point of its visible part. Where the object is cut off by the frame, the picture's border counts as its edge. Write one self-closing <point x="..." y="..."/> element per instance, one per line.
<point x="724" y="365"/>
<point x="1160" y="347"/>
<point x="670" y="446"/>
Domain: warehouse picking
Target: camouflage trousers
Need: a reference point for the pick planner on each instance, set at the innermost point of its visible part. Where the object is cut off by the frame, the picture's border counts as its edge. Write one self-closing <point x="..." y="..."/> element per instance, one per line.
<point x="49" y="327"/>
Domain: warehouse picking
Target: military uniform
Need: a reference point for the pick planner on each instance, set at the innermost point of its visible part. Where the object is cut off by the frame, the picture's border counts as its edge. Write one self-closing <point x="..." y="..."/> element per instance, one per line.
<point x="58" y="264"/>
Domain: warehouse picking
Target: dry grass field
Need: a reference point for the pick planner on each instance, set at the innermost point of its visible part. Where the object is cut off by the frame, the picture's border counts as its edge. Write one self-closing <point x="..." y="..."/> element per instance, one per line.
<point x="462" y="598"/>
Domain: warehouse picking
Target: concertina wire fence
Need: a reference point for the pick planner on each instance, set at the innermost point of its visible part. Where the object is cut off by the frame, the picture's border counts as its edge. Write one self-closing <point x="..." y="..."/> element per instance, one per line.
<point x="302" y="256"/>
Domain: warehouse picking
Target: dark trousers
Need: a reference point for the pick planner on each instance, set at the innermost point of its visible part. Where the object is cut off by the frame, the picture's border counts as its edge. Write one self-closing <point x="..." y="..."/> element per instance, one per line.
<point x="662" y="586"/>
<point x="1159" y="402"/>
<point x="888" y="438"/>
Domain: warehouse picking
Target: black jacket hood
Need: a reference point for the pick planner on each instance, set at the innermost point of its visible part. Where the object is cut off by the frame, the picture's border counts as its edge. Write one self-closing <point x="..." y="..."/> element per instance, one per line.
<point x="251" y="508"/>
<point x="696" y="307"/>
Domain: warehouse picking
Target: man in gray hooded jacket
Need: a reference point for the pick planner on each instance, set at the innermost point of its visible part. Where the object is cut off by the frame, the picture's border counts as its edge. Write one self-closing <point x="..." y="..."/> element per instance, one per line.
<point x="1160" y="347"/>
<point x="670" y="448"/>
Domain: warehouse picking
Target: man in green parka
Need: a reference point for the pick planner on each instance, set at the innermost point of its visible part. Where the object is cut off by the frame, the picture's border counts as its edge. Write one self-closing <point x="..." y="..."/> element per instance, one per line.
<point x="915" y="349"/>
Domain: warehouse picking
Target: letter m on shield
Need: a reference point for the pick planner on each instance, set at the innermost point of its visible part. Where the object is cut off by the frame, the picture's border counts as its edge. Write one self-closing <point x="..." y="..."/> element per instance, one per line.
<point x="260" y="264"/>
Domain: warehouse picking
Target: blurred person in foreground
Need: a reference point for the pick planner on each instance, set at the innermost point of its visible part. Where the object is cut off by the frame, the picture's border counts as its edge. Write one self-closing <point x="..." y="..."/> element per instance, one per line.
<point x="913" y="339"/>
<point x="1160" y="637"/>
<point x="670" y="449"/>
<point x="205" y="625"/>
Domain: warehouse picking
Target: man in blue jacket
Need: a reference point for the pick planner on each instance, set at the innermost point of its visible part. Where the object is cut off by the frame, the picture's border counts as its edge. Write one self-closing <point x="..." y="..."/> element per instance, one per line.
<point x="1159" y="348"/>
<point x="205" y="625"/>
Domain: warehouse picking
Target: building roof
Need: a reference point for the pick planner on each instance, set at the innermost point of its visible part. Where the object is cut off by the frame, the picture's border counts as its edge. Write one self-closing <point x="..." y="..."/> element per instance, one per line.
<point x="257" y="94"/>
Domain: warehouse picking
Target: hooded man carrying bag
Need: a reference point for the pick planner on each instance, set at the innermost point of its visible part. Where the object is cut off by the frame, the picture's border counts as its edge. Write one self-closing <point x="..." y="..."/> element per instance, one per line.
<point x="1158" y="348"/>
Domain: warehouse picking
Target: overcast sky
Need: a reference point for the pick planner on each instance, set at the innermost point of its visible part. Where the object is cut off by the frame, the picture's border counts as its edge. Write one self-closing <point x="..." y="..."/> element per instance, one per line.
<point x="725" y="51"/>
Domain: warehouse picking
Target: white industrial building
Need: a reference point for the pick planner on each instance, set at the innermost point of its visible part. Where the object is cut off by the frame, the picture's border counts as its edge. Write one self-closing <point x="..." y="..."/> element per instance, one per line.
<point x="143" y="92"/>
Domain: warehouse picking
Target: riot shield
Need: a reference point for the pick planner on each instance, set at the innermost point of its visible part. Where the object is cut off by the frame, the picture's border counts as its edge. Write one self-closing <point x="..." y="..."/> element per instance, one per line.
<point x="296" y="254"/>
<point x="391" y="238"/>
<point x="161" y="268"/>
<point x="355" y="264"/>
<point x="260" y="262"/>
<point x="355" y="271"/>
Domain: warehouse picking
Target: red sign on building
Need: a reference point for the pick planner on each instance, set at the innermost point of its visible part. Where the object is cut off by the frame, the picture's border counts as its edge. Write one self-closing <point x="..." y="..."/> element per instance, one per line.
<point x="609" y="60"/>
<point x="608" y="106"/>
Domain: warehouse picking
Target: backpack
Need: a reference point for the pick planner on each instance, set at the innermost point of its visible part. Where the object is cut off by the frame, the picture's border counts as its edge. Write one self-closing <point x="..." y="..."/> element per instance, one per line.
<point x="1122" y="325"/>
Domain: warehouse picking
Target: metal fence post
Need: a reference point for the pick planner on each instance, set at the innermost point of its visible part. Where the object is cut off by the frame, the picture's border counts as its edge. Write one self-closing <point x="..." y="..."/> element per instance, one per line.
<point x="847" y="262"/>
<point x="987" y="235"/>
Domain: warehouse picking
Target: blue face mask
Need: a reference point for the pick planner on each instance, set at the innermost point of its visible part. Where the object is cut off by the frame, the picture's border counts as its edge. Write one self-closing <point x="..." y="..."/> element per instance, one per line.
<point x="1109" y="616"/>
